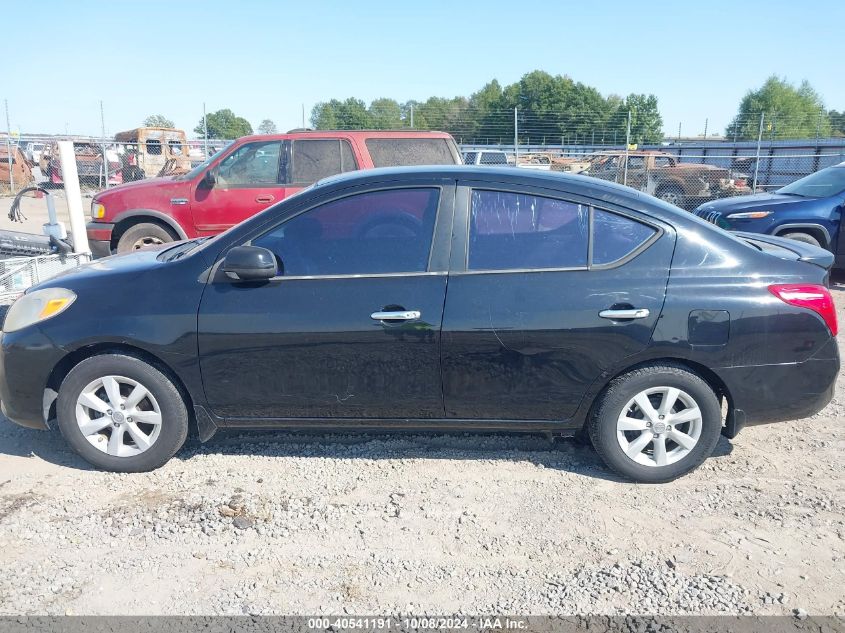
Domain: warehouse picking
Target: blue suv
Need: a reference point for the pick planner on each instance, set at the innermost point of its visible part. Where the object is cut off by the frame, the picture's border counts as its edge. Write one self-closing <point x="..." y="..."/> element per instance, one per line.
<point x="809" y="210"/>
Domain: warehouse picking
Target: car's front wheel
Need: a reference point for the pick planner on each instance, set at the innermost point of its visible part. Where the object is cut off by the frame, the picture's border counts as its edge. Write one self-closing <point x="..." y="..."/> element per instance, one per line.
<point x="656" y="423"/>
<point x="121" y="413"/>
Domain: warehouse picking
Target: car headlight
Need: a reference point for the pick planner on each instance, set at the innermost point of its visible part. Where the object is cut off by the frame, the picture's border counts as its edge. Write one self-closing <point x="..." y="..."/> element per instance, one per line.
<point x="37" y="306"/>
<point x="750" y="215"/>
<point x="98" y="211"/>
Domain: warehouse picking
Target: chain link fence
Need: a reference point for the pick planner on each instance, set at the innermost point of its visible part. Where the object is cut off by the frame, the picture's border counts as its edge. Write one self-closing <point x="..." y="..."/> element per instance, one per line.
<point x="753" y="153"/>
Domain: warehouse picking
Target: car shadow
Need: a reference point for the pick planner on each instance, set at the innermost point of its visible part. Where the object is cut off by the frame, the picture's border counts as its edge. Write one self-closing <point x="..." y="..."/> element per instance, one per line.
<point x="563" y="454"/>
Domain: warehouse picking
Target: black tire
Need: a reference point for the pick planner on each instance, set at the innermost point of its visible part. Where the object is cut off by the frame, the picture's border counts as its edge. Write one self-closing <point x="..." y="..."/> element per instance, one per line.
<point x="174" y="414"/>
<point x="143" y="234"/>
<point x="602" y="425"/>
<point x="672" y="194"/>
<point x="800" y="236"/>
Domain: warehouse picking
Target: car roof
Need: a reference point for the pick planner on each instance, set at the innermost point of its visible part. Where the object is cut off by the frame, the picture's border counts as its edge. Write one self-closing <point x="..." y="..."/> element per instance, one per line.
<point x="548" y="179"/>
<point x="346" y="134"/>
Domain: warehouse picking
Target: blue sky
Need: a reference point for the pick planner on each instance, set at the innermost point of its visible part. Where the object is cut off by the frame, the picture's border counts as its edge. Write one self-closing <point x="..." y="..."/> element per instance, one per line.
<point x="265" y="59"/>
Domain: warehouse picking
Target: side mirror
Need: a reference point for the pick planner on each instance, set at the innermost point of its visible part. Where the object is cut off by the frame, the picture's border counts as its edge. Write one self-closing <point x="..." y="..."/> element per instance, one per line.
<point x="250" y="263"/>
<point x="210" y="177"/>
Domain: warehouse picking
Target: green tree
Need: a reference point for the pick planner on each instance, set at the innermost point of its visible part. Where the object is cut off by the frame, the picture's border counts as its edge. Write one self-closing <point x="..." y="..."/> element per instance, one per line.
<point x="788" y="112"/>
<point x="351" y="114"/>
<point x="224" y="124"/>
<point x="385" y="114"/>
<point x="837" y="122"/>
<point x="267" y="127"/>
<point x="158" y="120"/>
<point x="646" y="122"/>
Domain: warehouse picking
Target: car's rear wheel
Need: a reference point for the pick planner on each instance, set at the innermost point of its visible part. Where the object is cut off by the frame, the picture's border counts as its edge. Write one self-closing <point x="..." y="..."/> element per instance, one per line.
<point x="144" y="234"/>
<point x="800" y="236"/>
<point x="121" y="413"/>
<point x="656" y="423"/>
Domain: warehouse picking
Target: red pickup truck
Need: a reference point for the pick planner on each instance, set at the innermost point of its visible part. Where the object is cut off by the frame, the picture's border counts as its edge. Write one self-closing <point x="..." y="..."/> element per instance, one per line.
<point x="244" y="178"/>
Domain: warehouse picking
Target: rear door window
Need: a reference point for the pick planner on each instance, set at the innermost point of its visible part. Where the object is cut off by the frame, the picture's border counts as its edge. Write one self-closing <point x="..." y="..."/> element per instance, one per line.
<point x="314" y="159"/>
<point x="391" y="152"/>
<point x="523" y="231"/>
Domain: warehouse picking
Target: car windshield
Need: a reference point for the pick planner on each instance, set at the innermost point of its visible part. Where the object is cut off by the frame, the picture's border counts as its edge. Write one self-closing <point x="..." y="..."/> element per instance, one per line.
<point x="196" y="171"/>
<point x="824" y="183"/>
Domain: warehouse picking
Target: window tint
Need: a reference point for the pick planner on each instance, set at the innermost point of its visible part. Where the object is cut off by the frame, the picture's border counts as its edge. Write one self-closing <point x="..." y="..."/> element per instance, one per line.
<point x="320" y="158"/>
<point x="510" y="230"/>
<point x="251" y="164"/>
<point x="390" y="152"/>
<point x="493" y="158"/>
<point x="369" y="233"/>
<point x="469" y="158"/>
<point x="615" y="236"/>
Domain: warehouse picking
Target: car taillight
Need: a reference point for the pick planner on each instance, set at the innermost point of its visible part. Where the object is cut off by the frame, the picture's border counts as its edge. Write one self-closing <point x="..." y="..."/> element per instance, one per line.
<point x="810" y="296"/>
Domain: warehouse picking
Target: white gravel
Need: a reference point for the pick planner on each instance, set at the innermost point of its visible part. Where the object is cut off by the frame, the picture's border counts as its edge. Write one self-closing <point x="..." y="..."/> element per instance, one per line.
<point x="284" y="523"/>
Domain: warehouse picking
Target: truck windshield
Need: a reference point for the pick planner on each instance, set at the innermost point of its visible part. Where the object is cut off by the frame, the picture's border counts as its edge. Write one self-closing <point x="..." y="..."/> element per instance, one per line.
<point x="824" y="183"/>
<point x="196" y="171"/>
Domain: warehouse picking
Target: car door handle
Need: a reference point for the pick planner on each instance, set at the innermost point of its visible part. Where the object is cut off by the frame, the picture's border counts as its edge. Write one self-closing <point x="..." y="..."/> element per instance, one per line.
<point x="632" y="313"/>
<point x="264" y="199"/>
<point x="399" y="315"/>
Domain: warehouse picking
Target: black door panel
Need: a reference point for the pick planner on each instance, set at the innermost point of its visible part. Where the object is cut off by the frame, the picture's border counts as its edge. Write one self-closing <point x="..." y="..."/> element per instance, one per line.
<point x="309" y="348"/>
<point x="528" y="344"/>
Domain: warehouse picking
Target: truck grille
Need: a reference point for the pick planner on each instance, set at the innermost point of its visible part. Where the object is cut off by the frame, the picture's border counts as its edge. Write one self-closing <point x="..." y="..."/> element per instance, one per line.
<point x="710" y="216"/>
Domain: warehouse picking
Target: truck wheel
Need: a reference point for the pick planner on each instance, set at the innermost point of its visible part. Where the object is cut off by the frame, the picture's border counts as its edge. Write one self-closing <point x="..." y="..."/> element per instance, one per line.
<point x="672" y="195"/>
<point x="145" y="234"/>
<point x="800" y="236"/>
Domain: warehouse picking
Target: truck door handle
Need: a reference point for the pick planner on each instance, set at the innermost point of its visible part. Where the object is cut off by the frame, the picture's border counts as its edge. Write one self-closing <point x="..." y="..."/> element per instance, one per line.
<point x="399" y="315"/>
<point x="619" y="315"/>
<point x="264" y="199"/>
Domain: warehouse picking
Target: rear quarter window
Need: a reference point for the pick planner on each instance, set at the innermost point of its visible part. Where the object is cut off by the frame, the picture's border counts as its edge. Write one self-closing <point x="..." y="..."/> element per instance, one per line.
<point x="392" y="152"/>
<point x="616" y="236"/>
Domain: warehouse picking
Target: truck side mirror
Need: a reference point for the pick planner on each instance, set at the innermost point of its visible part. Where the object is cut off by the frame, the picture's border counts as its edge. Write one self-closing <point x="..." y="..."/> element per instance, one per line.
<point x="210" y="177"/>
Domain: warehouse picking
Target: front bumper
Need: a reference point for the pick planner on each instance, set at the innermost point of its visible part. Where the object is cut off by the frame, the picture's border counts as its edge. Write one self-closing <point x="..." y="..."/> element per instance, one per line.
<point x="27" y="358"/>
<point x="99" y="238"/>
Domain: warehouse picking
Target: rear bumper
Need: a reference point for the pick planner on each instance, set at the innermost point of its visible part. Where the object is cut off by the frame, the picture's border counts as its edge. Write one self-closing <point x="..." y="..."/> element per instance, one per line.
<point x="775" y="393"/>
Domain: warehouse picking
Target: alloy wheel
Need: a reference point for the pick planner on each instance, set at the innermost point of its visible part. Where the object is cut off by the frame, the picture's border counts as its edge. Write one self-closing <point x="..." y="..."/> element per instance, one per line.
<point x="659" y="426"/>
<point x="118" y="416"/>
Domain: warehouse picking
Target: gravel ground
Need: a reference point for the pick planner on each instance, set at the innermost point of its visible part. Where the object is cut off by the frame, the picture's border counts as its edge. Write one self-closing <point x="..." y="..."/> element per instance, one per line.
<point x="332" y="524"/>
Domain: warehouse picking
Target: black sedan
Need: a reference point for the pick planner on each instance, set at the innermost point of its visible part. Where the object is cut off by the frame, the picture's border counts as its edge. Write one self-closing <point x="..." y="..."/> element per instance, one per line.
<point x="434" y="298"/>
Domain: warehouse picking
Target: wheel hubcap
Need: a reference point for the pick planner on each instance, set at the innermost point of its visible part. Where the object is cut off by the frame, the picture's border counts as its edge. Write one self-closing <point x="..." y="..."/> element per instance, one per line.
<point x="659" y="426"/>
<point x="146" y="241"/>
<point x="118" y="416"/>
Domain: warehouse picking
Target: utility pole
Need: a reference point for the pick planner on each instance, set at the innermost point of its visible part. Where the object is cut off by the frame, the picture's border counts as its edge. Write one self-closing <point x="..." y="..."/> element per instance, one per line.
<point x="627" y="148"/>
<point x="515" y="137"/>
<point x="205" y="130"/>
<point x="412" y="116"/>
<point x="706" y="121"/>
<point x="757" y="161"/>
<point x="9" y="147"/>
<point x="105" y="156"/>
<point x="303" y="116"/>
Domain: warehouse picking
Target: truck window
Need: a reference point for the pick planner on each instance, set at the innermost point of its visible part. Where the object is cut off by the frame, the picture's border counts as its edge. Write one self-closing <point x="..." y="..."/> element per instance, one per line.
<point x="663" y="161"/>
<point x="153" y="147"/>
<point x="390" y="152"/>
<point x="314" y="159"/>
<point x="469" y="158"/>
<point x="493" y="158"/>
<point x="251" y="165"/>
